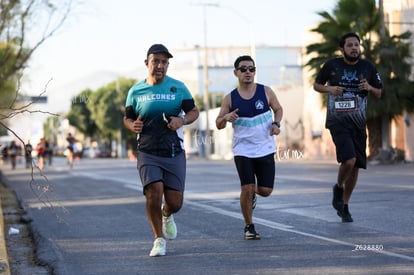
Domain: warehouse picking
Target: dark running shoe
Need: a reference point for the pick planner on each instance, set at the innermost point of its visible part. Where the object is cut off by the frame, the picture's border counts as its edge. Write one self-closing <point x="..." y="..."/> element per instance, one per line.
<point x="338" y="200"/>
<point x="254" y="201"/>
<point x="346" y="216"/>
<point x="250" y="233"/>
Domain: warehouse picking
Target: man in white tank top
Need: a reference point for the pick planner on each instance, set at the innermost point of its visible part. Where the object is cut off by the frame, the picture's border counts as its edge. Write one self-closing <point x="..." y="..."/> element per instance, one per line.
<point x="255" y="113"/>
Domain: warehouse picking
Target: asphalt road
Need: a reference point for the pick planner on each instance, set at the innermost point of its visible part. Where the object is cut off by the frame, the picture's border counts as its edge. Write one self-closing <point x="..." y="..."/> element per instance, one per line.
<point x="91" y="220"/>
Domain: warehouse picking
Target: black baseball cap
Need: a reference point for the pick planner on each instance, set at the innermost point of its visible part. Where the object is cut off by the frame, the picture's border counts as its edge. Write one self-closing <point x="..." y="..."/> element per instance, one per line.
<point x="159" y="48"/>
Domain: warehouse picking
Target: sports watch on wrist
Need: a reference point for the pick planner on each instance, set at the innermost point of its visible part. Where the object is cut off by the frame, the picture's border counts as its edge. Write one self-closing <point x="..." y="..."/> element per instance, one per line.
<point x="277" y="123"/>
<point x="185" y="120"/>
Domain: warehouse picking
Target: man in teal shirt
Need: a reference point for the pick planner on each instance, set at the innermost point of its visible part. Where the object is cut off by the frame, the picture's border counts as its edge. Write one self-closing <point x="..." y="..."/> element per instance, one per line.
<point x="156" y="109"/>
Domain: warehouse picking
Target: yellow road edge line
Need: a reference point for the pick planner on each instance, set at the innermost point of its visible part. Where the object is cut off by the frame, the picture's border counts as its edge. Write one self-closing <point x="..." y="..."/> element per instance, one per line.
<point x="4" y="258"/>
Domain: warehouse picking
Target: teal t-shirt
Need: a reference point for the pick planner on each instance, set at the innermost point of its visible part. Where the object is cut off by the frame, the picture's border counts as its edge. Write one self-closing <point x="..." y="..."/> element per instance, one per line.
<point x="171" y="97"/>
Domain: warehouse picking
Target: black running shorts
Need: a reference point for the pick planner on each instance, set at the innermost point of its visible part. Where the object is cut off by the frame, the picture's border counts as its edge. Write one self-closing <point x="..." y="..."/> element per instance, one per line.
<point x="262" y="168"/>
<point x="350" y="142"/>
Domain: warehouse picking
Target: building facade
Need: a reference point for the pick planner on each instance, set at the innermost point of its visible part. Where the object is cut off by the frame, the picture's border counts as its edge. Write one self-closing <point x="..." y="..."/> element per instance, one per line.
<point x="277" y="67"/>
<point x="282" y="68"/>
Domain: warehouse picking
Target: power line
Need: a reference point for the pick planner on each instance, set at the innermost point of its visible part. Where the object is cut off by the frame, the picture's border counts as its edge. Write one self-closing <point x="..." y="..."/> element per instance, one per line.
<point x="399" y="23"/>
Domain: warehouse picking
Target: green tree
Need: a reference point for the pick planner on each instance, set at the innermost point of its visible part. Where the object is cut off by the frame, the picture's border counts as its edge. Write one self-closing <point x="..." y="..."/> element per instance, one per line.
<point x="107" y="107"/>
<point x="390" y="54"/>
<point x="79" y="114"/>
<point x="8" y="83"/>
<point x="16" y="22"/>
<point x="50" y="127"/>
<point x="99" y="114"/>
<point x="19" y="20"/>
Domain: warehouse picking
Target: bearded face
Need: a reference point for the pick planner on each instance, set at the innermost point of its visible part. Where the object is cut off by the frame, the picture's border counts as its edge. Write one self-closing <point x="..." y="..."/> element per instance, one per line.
<point x="351" y="50"/>
<point x="353" y="57"/>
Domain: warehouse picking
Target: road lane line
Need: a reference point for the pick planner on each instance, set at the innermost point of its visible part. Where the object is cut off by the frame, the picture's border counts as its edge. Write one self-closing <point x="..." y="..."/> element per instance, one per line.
<point x="237" y="215"/>
<point x="288" y="228"/>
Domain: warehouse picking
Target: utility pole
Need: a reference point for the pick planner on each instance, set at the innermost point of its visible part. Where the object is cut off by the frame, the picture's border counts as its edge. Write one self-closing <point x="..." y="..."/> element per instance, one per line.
<point x="119" y="145"/>
<point x="385" y="120"/>
<point x="206" y="98"/>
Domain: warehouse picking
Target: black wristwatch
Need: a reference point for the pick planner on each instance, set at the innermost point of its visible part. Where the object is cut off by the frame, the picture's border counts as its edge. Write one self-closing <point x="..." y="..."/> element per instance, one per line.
<point x="277" y="123"/>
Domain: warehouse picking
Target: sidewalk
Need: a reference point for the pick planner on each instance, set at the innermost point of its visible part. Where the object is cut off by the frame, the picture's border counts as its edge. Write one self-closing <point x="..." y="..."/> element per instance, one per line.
<point x="4" y="258"/>
<point x="17" y="251"/>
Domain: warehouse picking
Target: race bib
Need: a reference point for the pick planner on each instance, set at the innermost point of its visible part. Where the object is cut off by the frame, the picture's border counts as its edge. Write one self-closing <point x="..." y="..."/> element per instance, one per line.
<point x="345" y="104"/>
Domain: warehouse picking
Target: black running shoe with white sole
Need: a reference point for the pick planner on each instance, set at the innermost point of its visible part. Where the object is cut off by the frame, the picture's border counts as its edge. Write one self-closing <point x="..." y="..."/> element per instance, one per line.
<point x="250" y="233"/>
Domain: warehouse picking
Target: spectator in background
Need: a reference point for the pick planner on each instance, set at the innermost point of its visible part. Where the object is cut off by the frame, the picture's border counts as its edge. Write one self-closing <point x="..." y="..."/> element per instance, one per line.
<point x="12" y="152"/>
<point x="49" y="152"/>
<point x="28" y="148"/>
<point x="4" y="154"/>
<point x="41" y="148"/>
<point x="71" y="148"/>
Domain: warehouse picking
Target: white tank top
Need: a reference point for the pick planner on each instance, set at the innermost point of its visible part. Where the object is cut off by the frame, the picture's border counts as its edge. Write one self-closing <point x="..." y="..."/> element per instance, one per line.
<point x="251" y="137"/>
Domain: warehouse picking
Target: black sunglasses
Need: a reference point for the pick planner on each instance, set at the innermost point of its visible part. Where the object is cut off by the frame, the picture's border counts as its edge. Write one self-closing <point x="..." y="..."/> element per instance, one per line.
<point x="244" y="69"/>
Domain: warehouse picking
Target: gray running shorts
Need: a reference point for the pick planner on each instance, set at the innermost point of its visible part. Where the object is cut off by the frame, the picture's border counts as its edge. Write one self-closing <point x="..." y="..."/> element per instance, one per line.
<point x="171" y="171"/>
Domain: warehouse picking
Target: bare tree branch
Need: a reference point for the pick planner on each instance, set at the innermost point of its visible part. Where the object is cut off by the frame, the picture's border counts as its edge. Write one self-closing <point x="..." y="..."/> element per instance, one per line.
<point x="15" y="20"/>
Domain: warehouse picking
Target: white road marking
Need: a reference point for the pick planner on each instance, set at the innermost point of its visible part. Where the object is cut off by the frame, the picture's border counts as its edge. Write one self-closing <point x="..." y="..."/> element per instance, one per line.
<point x="237" y="215"/>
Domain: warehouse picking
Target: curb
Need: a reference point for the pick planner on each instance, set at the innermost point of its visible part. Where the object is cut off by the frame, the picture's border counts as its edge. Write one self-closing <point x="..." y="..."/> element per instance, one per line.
<point x="4" y="258"/>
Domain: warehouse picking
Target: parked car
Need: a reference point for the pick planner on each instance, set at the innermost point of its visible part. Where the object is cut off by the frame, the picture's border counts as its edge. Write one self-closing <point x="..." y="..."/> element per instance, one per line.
<point x="96" y="152"/>
<point x="89" y="152"/>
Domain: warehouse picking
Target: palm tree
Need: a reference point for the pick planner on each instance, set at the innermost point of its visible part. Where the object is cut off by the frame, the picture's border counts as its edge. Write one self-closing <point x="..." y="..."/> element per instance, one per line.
<point x="390" y="54"/>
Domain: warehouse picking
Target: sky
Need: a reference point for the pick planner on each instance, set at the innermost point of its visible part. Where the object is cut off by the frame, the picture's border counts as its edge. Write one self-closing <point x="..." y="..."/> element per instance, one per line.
<point x="109" y="38"/>
<point x="102" y="40"/>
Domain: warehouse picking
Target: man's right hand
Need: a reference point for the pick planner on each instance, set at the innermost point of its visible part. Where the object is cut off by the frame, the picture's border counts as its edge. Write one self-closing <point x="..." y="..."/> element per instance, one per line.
<point x="137" y="125"/>
<point x="337" y="90"/>
<point x="232" y="116"/>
